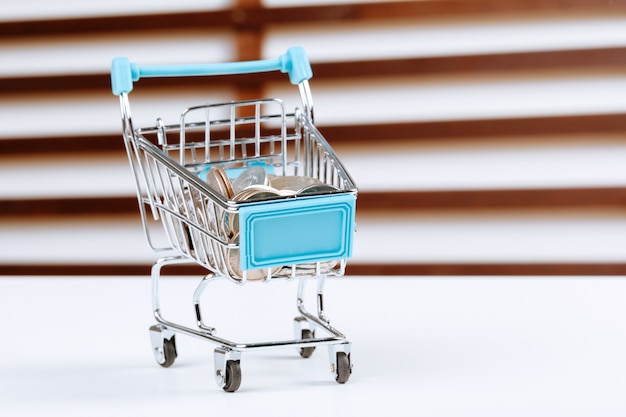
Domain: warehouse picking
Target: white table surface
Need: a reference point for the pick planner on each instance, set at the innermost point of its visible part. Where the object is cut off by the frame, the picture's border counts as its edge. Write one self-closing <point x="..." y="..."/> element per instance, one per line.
<point x="436" y="346"/>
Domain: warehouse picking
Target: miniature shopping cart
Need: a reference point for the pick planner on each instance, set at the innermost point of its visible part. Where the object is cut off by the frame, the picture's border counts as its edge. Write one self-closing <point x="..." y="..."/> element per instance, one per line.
<point x="187" y="175"/>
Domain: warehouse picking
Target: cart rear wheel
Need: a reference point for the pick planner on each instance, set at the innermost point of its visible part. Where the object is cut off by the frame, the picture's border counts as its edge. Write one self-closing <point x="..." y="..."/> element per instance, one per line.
<point x="344" y="369"/>
<point x="233" y="376"/>
<point x="169" y="352"/>
<point x="307" y="351"/>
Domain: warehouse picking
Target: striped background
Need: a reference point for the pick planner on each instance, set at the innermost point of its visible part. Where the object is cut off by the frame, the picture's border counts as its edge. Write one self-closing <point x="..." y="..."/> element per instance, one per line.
<point x="487" y="137"/>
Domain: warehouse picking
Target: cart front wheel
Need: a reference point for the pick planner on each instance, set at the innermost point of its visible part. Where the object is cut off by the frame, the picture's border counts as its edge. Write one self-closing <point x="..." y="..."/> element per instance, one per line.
<point x="169" y="353"/>
<point x="307" y="351"/>
<point x="233" y="376"/>
<point x="344" y="369"/>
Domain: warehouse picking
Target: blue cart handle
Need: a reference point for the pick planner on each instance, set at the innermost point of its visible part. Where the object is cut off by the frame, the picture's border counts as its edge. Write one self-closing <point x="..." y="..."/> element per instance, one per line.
<point x="294" y="62"/>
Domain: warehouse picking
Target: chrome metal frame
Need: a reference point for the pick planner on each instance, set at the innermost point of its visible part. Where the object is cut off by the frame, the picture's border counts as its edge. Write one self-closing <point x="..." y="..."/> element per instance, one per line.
<point x="232" y="350"/>
<point x="187" y="209"/>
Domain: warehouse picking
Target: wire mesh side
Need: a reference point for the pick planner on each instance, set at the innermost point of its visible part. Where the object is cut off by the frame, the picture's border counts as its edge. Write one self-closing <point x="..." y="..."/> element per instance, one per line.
<point x="197" y="220"/>
<point x="231" y="134"/>
<point x="319" y="161"/>
<point x="191" y="215"/>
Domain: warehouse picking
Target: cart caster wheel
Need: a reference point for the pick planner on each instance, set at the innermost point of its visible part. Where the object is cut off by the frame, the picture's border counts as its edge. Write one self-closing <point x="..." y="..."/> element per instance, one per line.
<point x="169" y="352"/>
<point x="233" y="376"/>
<point x="307" y="351"/>
<point x="344" y="368"/>
<point x="163" y="345"/>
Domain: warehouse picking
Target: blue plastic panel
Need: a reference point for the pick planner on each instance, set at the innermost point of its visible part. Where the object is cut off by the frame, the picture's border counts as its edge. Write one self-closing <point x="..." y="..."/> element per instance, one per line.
<point x="296" y="231"/>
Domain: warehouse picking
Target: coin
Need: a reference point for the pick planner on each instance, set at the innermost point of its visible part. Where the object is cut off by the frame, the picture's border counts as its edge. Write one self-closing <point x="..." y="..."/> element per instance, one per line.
<point x="253" y="185"/>
<point x="254" y="175"/>
<point x="256" y="193"/>
<point x="218" y="180"/>
<point x="234" y="266"/>
<point x="308" y="268"/>
<point x="252" y="193"/>
<point x="205" y="242"/>
<point x="286" y="193"/>
<point x="325" y="266"/>
<point x="292" y="182"/>
<point x="317" y="189"/>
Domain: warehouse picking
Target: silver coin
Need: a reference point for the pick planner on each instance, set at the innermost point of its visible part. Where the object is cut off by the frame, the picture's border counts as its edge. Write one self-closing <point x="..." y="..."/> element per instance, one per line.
<point x="234" y="266"/>
<point x="325" y="266"/>
<point x="317" y="189"/>
<point x="254" y="175"/>
<point x="293" y="182"/>
<point x="308" y="268"/>
<point x="252" y="193"/>
<point x="217" y="179"/>
<point x="204" y="223"/>
<point x="286" y="193"/>
<point x="257" y="193"/>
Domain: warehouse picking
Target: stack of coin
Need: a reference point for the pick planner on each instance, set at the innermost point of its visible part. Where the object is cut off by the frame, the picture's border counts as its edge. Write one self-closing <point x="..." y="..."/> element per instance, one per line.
<point x="249" y="193"/>
<point x="309" y="268"/>
<point x="254" y="184"/>
<point x="234" y="266"/>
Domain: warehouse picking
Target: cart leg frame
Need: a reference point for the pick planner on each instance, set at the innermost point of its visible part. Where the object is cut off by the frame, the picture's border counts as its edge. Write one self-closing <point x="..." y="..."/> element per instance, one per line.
<point x="227" y="355"/>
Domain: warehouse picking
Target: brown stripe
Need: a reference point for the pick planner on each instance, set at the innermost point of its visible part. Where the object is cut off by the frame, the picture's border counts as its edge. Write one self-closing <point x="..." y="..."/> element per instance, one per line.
<point x="69" y="206"/>
<point x="63" y="145"/>
<point x="543" y="60"/>
<point x="249" y="39"/>
<point x="479" y="128"/>
<point x="364" y="133"/>
<point x="101" y="83"/>
<point x="367" y="202"/>
<point x="73" y="270"/>
<point x="487" y="269"/>
<point x="258" y="15"/>
<point x="493" y="199"/>
<point x="121" y="23"/>
<point x="353" y="269"/>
